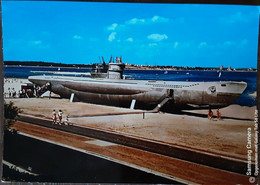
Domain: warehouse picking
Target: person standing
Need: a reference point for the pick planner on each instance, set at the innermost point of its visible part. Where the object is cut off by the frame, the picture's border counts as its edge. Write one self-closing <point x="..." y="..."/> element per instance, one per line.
<point x="67" y="120"/>
<point x="218" y="114"/>
<point x="159" y="108"/>
<point x="13" y="93"/>
<point x="210" y="114"/>
<point x="54" y="117"/>
<point x="60" y="116"/>
<point x="10" y="93"/>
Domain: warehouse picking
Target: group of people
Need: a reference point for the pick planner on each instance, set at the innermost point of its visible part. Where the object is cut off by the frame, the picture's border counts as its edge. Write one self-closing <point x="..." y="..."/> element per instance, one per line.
<point x="211" y="114"/>
<point x="20" y="93"/>
<point x="11" y="92"/>
<point x="59" y="116"/>
<point x="39" y="90"/>
<point x="26" y="93"/>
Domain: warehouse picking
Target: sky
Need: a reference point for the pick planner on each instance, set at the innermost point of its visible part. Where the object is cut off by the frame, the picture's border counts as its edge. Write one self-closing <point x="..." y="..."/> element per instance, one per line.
<point x="149" y="34"/>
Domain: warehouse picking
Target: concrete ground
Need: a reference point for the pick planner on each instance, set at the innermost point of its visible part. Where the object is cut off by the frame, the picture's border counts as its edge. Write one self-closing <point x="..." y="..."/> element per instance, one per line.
<point x="227" y="137"/>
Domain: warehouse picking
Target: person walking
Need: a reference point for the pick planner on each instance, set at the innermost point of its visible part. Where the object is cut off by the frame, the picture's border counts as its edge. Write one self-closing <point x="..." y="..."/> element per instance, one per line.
<point x="67" y="120"/>
<point x="13" y="93"/>
<point x="54" y="117"/>
<point x="159" y="108"/>
<point x="60" y="116"/>
<point x="218" y="115"/>
<point x="9" y="92"/>
<point x="210" y="114"/>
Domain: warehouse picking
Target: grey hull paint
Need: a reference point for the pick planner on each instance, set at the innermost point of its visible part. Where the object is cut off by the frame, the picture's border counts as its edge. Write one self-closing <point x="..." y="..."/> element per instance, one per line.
<point x="144" y="99"/>
<point x="119" y="93"/>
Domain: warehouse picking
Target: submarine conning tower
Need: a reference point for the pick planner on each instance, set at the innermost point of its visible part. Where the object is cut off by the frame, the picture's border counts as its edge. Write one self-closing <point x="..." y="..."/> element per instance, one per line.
<point x="115" y="70"/>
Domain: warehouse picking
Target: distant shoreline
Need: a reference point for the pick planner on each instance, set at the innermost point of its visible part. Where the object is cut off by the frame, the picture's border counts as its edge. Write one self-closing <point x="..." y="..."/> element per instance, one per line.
<point x="6" y="65"/>
<point x="165" y="68"/>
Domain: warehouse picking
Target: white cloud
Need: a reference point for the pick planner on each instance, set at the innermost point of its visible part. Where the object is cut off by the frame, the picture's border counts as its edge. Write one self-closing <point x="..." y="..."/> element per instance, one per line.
<point x="77" y="37"/>
<point x="202" y="45"/>
<point x="176" y="44"/>
<point x="229" y="43"/>
<point x="112" y="36"/>
<point x="237" y="17"/>
<point x="157" y="37"/>
<point x="157" y="18"/>
<point x="135" y="21"/>
<point x="243" y="42"/>
<point x="115" y="27"/>
<point x="239" y="44"/>
<point x="130" y="39"/>
<point x="36" y="42"/>
<point x="112" y="27"/>
<point x="153" y="44"/>
<point x="154" y="19"/>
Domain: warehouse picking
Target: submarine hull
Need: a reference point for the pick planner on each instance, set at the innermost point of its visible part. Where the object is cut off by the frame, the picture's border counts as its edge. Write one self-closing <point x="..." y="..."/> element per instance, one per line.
<point x="148" y="94"/>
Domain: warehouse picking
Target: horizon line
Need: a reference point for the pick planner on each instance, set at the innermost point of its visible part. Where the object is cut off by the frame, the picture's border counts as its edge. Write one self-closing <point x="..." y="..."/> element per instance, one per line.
<point x="143" y="65"/>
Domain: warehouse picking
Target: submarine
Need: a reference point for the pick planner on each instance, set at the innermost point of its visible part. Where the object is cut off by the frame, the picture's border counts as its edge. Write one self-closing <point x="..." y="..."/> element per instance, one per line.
<point x="114" y="90"/>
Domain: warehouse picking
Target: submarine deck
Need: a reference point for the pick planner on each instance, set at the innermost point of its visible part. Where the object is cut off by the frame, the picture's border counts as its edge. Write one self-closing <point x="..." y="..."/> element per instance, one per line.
<point x="240" y="86"/>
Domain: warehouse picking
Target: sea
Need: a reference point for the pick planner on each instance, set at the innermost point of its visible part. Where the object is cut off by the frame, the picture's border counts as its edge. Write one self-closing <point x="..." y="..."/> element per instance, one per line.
<point x="167" y="75"/>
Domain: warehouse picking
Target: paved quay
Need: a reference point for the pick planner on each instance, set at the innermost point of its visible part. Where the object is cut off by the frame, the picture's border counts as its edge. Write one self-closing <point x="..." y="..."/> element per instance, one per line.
<point x="226" y="137"/>
<point x="171" y="150"/>
<point x="189" y="131"/>
<point x="168" y="167"/>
